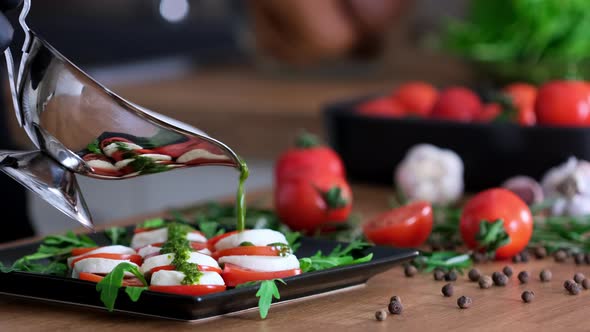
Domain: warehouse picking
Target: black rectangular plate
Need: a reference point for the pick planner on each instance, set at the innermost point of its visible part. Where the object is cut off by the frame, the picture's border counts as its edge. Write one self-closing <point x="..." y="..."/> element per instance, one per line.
<point x="83" y="293"/>
<point x="372" y="147"/>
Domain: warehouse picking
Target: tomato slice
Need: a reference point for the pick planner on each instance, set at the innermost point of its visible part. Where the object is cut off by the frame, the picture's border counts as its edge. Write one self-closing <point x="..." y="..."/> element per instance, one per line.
<point x="247" y="251"/>
<point x="213" y="241"/>
<point x="137" y="259"/>
<point x="234" y="275"/>
<point x="406" y="226"/>
<point x="202" y="268"/>
<point x="96" y="278"/>
<point x="82" y="251"/>
<point x="191" y="290"/>
<point x="199" y="245"/>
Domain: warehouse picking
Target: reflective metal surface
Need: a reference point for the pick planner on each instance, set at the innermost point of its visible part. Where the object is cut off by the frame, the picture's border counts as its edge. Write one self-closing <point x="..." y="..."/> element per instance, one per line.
<point x="91" y="131"/>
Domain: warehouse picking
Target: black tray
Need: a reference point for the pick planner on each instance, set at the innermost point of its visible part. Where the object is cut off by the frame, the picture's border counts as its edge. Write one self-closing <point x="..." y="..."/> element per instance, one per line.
<point x="83" y="293"/>
<point x="372" y="147"/>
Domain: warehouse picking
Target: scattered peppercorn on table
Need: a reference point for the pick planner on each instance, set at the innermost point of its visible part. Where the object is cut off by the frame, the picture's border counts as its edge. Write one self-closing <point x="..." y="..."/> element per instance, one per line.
<point x="551" y="307"/>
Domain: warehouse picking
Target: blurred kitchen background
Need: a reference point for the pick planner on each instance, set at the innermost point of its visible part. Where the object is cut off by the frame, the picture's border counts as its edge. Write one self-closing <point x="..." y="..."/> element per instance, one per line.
<point x="196" y="61"/>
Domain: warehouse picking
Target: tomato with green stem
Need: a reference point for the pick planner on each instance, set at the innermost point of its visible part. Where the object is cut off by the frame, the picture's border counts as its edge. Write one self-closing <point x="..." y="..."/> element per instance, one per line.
<point x="405" y="226"/>
<point x="311" y="203"/>
<point x="497" y="221"/>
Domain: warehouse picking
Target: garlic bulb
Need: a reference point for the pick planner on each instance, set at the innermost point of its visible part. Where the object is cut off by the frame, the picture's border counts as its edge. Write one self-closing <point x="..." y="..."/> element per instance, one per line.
<point x="568" y="185"/>
<point x="430" y="173"/>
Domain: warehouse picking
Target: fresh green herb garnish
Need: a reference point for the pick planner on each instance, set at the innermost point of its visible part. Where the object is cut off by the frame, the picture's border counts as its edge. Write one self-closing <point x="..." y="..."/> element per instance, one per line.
<point x="267" y="291"/>
<point x="338" y="257"/>
<point x="246" y="244"/>
<point x="109" y="286"/>
<point x="556" y="233"/>
<point x="209" y="228"/>
<point x="293" y="239"/>
<point x="121" y="146"/>
<point x="117" y="235"/>
<point x="94" y="147"/>
<point x="152" y="223"/>
<point x="145" y="165"/>
<point x="445" y="260"/>
<point x="178" y="245"/>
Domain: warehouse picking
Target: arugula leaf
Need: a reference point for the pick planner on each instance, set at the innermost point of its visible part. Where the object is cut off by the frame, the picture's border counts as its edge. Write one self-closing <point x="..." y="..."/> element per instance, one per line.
<point x="267" y="291"/>
<point x="338" y="257"/>
<point x="94" y="147"/>
<point x="293" y="239"/>
<point x="6" y="269"/>
<point x="116" y="235"/>
<point x="446" y="260"/>
<point x="209" y="228"/>
<point x="110" y="284"/>
<point x="152" y="223"/>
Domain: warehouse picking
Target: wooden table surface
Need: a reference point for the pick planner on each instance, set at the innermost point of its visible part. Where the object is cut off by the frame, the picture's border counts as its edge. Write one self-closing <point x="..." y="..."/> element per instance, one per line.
<point x="494" y="309"/>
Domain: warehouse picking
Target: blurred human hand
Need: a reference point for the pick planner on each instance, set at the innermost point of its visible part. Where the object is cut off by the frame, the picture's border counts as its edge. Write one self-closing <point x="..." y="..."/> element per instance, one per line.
<point x="306" y="31"/>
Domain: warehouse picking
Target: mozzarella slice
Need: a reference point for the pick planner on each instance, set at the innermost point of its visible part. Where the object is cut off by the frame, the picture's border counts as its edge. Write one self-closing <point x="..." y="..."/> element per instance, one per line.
<point x="123" y="163"/>
<point x="199" y="154"/>
<point x="157" y="156"/>
<point x="174" y="278"/>
<point x="205" y="251"/>
<point x="263" y="263"/>
<point x="258" y="237"/>
<point x="101" y="164"/>
<point x="196" y="237"/>
<point x="148" y="251"/>
<point x="114" y="147"/>
<point x="166" y="259"/>
<point x="116" y="249"/>
<point x="161" y="235"/>
<point x="144" y="238"/>
<point x="98" y="266"/>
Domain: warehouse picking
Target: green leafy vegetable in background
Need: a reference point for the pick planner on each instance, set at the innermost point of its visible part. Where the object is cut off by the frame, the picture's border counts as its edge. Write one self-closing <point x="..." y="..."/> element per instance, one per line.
<point x="531" y="40"/>
<point x="94" y="147"/>
<point x="110" y="284"/>
<point x="555" y="233"/>
<point x="152" y="223"/>
<point x="338" y="257"/>
<point x="117" y="235"/>
<point x="445" y="260"/>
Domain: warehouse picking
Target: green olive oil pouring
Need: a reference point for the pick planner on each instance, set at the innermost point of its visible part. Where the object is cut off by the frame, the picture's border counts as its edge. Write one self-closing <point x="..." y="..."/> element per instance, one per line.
<point x="240" y="201"/>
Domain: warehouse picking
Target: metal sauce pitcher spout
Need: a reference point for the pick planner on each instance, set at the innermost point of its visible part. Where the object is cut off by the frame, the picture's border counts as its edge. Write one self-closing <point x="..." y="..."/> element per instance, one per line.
<point x="89" y="130"/>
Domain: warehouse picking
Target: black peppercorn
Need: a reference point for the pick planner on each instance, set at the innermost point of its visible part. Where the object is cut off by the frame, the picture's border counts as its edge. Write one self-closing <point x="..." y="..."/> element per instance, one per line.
<point x="395" y="307"/>
<point x="500" y="279"/>
<point x="525" y="256"/>
<point x="560" y="256"/>
<point x="485" y="282"/>
<point x="380" y="315"/>
<point x="540" y="252"/>
<point x="523" y="277"/>
<point x="574" y="289"/>
<point x="478" y="257"/>
<point x="451" y="276"/>
<point x="474" y="275"/>
<point x="516" y="259"/>
<point x="395" y="298"/>
<point x="545" y="275"/>
<point x="447" y="290"/>
<point x="579" y="277"/>
<point x="464" y="302"/>
<point x="507" y="271"/>
<point x="410" y="270"/>
<point x="438" y="274"/>
<point x="579" y="258"/>
<point x="586" y="283"/>
<point x="568" y="284"/>
<point x="527" y="296"/>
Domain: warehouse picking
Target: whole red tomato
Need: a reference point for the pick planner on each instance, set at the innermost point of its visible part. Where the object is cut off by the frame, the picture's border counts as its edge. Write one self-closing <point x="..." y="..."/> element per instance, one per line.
<point x="489" y="112"/>
<point x="491" y="205"/>
<point x="307" y="204"/>
<point x="563" y="103"/>
<point x="406" y="226"/>
<point x="417" y="98"/>
<point x="308" y="157"/>
<point x="383" y="107"/>
<point x="523" y="96"/>
<point x="457" y="103"/>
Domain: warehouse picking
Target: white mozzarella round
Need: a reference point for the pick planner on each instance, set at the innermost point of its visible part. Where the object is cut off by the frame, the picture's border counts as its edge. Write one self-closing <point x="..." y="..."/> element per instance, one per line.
<point x="199" y="154"/>
<point x="166" y="259"/>
<point x="116" y="146"/>
<point x="115" y="249"/>
<point x="258" y="237"/>
<point x="174" y="278"/>
<point x="196" y="237"/>
<point x="148" y="251"/>
<point x="123" y="163"/>
<point x="142" y="239"/>
<point x="263" y="263"/>
<point x="157" y="156"/>
<point x="159" y="236"/>
<point x="97" y="266"/>
<point x="101" y="164"/>
<point x="205" y="251"/>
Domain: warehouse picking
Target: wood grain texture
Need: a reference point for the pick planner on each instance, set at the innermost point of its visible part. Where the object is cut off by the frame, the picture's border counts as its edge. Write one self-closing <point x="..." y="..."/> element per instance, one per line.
<point x="494" y="309"/>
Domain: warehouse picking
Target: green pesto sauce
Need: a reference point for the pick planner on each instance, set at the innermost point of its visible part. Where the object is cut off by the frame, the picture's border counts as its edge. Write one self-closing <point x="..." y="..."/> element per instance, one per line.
<point x="178" y="245"/>
<point x="240" y="200"/>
